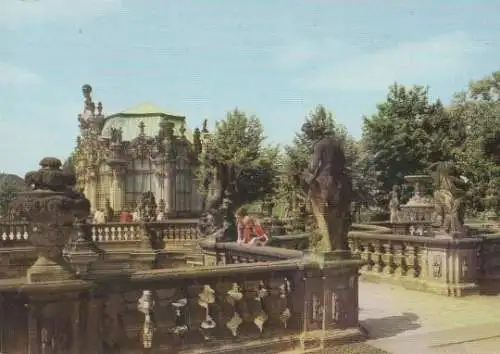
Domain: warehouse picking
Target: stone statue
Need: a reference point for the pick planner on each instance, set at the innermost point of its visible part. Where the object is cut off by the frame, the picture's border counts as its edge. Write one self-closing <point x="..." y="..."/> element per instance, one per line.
<point x="329" y="187"/>
<point x="89" y="106"/>
<point x="148" y="203"/>
<point x="108" y="211"/>
<point x="217" y="217"/>
<point x="394" y="204"/>
<point x="116" y="135"/>
<point x="448" y="196"/>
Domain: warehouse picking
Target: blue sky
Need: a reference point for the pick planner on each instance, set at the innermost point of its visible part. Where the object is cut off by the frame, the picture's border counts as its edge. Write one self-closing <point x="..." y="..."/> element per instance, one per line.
<point x="273" y="58"/>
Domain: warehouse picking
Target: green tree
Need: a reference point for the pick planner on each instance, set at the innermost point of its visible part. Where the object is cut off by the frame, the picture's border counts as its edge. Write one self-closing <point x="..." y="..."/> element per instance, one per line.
<point x="10" y="185"/>
<point x="321" y="123"/>
<point x="407" y="133"/>
<point x="479" y="156"/>
<point x="238" y="144"/>
<point x="69" y="163"/>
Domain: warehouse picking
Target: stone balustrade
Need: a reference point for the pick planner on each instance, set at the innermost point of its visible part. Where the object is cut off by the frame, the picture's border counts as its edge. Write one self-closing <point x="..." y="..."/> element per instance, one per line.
<point x="443" y="266"/>
<point x="12" y="233"/>
<point x="233" y="253"/>
<point x="489" y="261"/>
<point x="165" y="243"/>
<point x="273" y="306"/>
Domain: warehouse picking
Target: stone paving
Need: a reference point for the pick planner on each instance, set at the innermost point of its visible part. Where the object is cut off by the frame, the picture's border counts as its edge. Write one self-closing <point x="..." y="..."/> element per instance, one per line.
<point x="405" y="321"/>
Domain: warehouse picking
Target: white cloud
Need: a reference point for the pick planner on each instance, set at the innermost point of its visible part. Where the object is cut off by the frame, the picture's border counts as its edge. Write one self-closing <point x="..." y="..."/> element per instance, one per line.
<point x="23" y="12"/>
<point x="14" y="75"/>
<point x="425" y="62"/>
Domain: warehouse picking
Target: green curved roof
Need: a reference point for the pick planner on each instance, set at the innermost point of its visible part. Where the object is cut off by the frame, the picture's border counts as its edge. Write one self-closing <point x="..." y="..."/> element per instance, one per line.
<point x="148" y="113"/>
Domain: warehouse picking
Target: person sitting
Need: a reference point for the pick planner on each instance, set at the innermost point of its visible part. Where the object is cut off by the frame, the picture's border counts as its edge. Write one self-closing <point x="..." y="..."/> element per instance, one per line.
<point x="250" y="232"/>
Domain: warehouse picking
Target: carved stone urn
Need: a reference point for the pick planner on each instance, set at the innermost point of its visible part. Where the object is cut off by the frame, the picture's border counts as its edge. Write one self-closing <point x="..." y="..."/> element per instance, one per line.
<point x="51" y="206"/>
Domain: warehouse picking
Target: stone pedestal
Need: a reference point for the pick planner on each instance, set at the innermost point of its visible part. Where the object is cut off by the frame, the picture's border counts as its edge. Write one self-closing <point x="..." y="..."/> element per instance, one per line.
<point x="331" y="301"/>
<point x="144" y="257"/>
<point x="80" y="253"/>
<point x="450" y="266"/>
<point x="55" y="322"/>
<point x="45" y="269"/>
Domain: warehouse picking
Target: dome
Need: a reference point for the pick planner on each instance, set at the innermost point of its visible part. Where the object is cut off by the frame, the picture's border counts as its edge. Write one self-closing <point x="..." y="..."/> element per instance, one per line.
<point x="151" y="115"/>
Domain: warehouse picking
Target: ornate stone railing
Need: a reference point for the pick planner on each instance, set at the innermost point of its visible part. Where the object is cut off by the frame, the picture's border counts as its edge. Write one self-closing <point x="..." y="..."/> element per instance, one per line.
<point x="267" y="307"/>
<point x="12" y="233"/>
<point x="444" y="266"/>
<point x="234" y="253"/>
<point x="489" y="258"/>
<point x="170" y="230"/>
<point x="167" y="244"/>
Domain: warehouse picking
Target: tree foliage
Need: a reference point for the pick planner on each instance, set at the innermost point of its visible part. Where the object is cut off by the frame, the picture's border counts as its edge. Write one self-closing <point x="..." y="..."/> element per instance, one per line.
<point x="10" y="185"/>
<point x="238" y="142"/>
<point x="407" y="133"/>
<point x="318" y="124"/>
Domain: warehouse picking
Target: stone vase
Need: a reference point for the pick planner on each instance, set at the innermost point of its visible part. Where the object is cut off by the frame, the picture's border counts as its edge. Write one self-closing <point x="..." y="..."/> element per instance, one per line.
<point x="51" y="206"/>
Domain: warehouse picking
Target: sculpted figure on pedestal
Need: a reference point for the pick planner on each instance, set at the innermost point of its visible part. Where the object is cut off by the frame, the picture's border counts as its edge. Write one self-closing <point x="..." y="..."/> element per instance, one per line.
<point x="394" y="204"/>
<point x="329" y="187"/>
<point x="448" y="196"/>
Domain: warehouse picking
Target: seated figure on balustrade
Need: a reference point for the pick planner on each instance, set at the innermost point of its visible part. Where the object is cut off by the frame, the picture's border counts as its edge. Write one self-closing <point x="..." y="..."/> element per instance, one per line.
<point x="250" y="232"/>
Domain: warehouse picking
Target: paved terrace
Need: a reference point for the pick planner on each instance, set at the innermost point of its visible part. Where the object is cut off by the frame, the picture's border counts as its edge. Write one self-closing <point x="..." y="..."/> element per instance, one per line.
<point x="407" y="322"/>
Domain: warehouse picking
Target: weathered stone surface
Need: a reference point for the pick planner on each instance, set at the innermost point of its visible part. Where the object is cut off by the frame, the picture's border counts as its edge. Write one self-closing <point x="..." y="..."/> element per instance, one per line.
<point x="51" y="207"/>
<point x="329" y="187"/>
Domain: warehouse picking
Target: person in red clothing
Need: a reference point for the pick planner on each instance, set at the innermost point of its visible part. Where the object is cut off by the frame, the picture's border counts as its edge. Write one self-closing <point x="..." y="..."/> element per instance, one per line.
<point x="250" y="232"/>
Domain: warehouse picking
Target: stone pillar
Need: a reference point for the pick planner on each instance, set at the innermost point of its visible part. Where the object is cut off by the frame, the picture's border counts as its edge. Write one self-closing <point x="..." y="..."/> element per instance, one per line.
<point x="118" y="188"/>
<point x="91" y="190"/>
<point x="450" y="266"/>
<point x="330" y="303"/>
<point x="55" y="324"/>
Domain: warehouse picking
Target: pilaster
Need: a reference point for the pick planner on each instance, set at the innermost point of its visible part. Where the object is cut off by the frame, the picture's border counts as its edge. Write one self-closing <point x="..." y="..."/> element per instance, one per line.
<point x="90" y="190"/>
<point x="118" y="187"/>
<point x="170" y="187"/>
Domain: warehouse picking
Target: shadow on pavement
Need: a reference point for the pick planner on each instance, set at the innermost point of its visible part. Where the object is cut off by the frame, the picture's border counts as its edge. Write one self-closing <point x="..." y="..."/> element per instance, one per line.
<point x="390" y="326"/>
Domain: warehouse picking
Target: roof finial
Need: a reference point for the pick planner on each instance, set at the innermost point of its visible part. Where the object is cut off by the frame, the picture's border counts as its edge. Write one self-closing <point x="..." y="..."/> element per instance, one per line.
<point x="99" y="108"/>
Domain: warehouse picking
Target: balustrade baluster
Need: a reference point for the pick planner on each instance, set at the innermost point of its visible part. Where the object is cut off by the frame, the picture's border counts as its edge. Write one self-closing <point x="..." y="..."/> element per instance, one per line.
<point x="377" y="256"/>
<point x="146" y="305"/>
<point x="119" y="234"/>
<point x="399" y="259"/>
<point x="234" y="298"/>
<point x="113" y="233"/>
<point x="388" y="258"/>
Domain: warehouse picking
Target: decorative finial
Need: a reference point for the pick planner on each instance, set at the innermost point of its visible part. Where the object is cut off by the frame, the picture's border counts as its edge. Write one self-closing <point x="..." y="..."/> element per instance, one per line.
<point x="99" y="108"/>
<point x="142" y="126"/>
<point x="205" y="128"/>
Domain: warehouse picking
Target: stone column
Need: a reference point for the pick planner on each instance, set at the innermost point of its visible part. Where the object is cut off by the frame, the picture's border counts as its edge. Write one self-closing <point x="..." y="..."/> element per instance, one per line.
<point x="90" y="190"/>
<point x="118" y="188"/>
